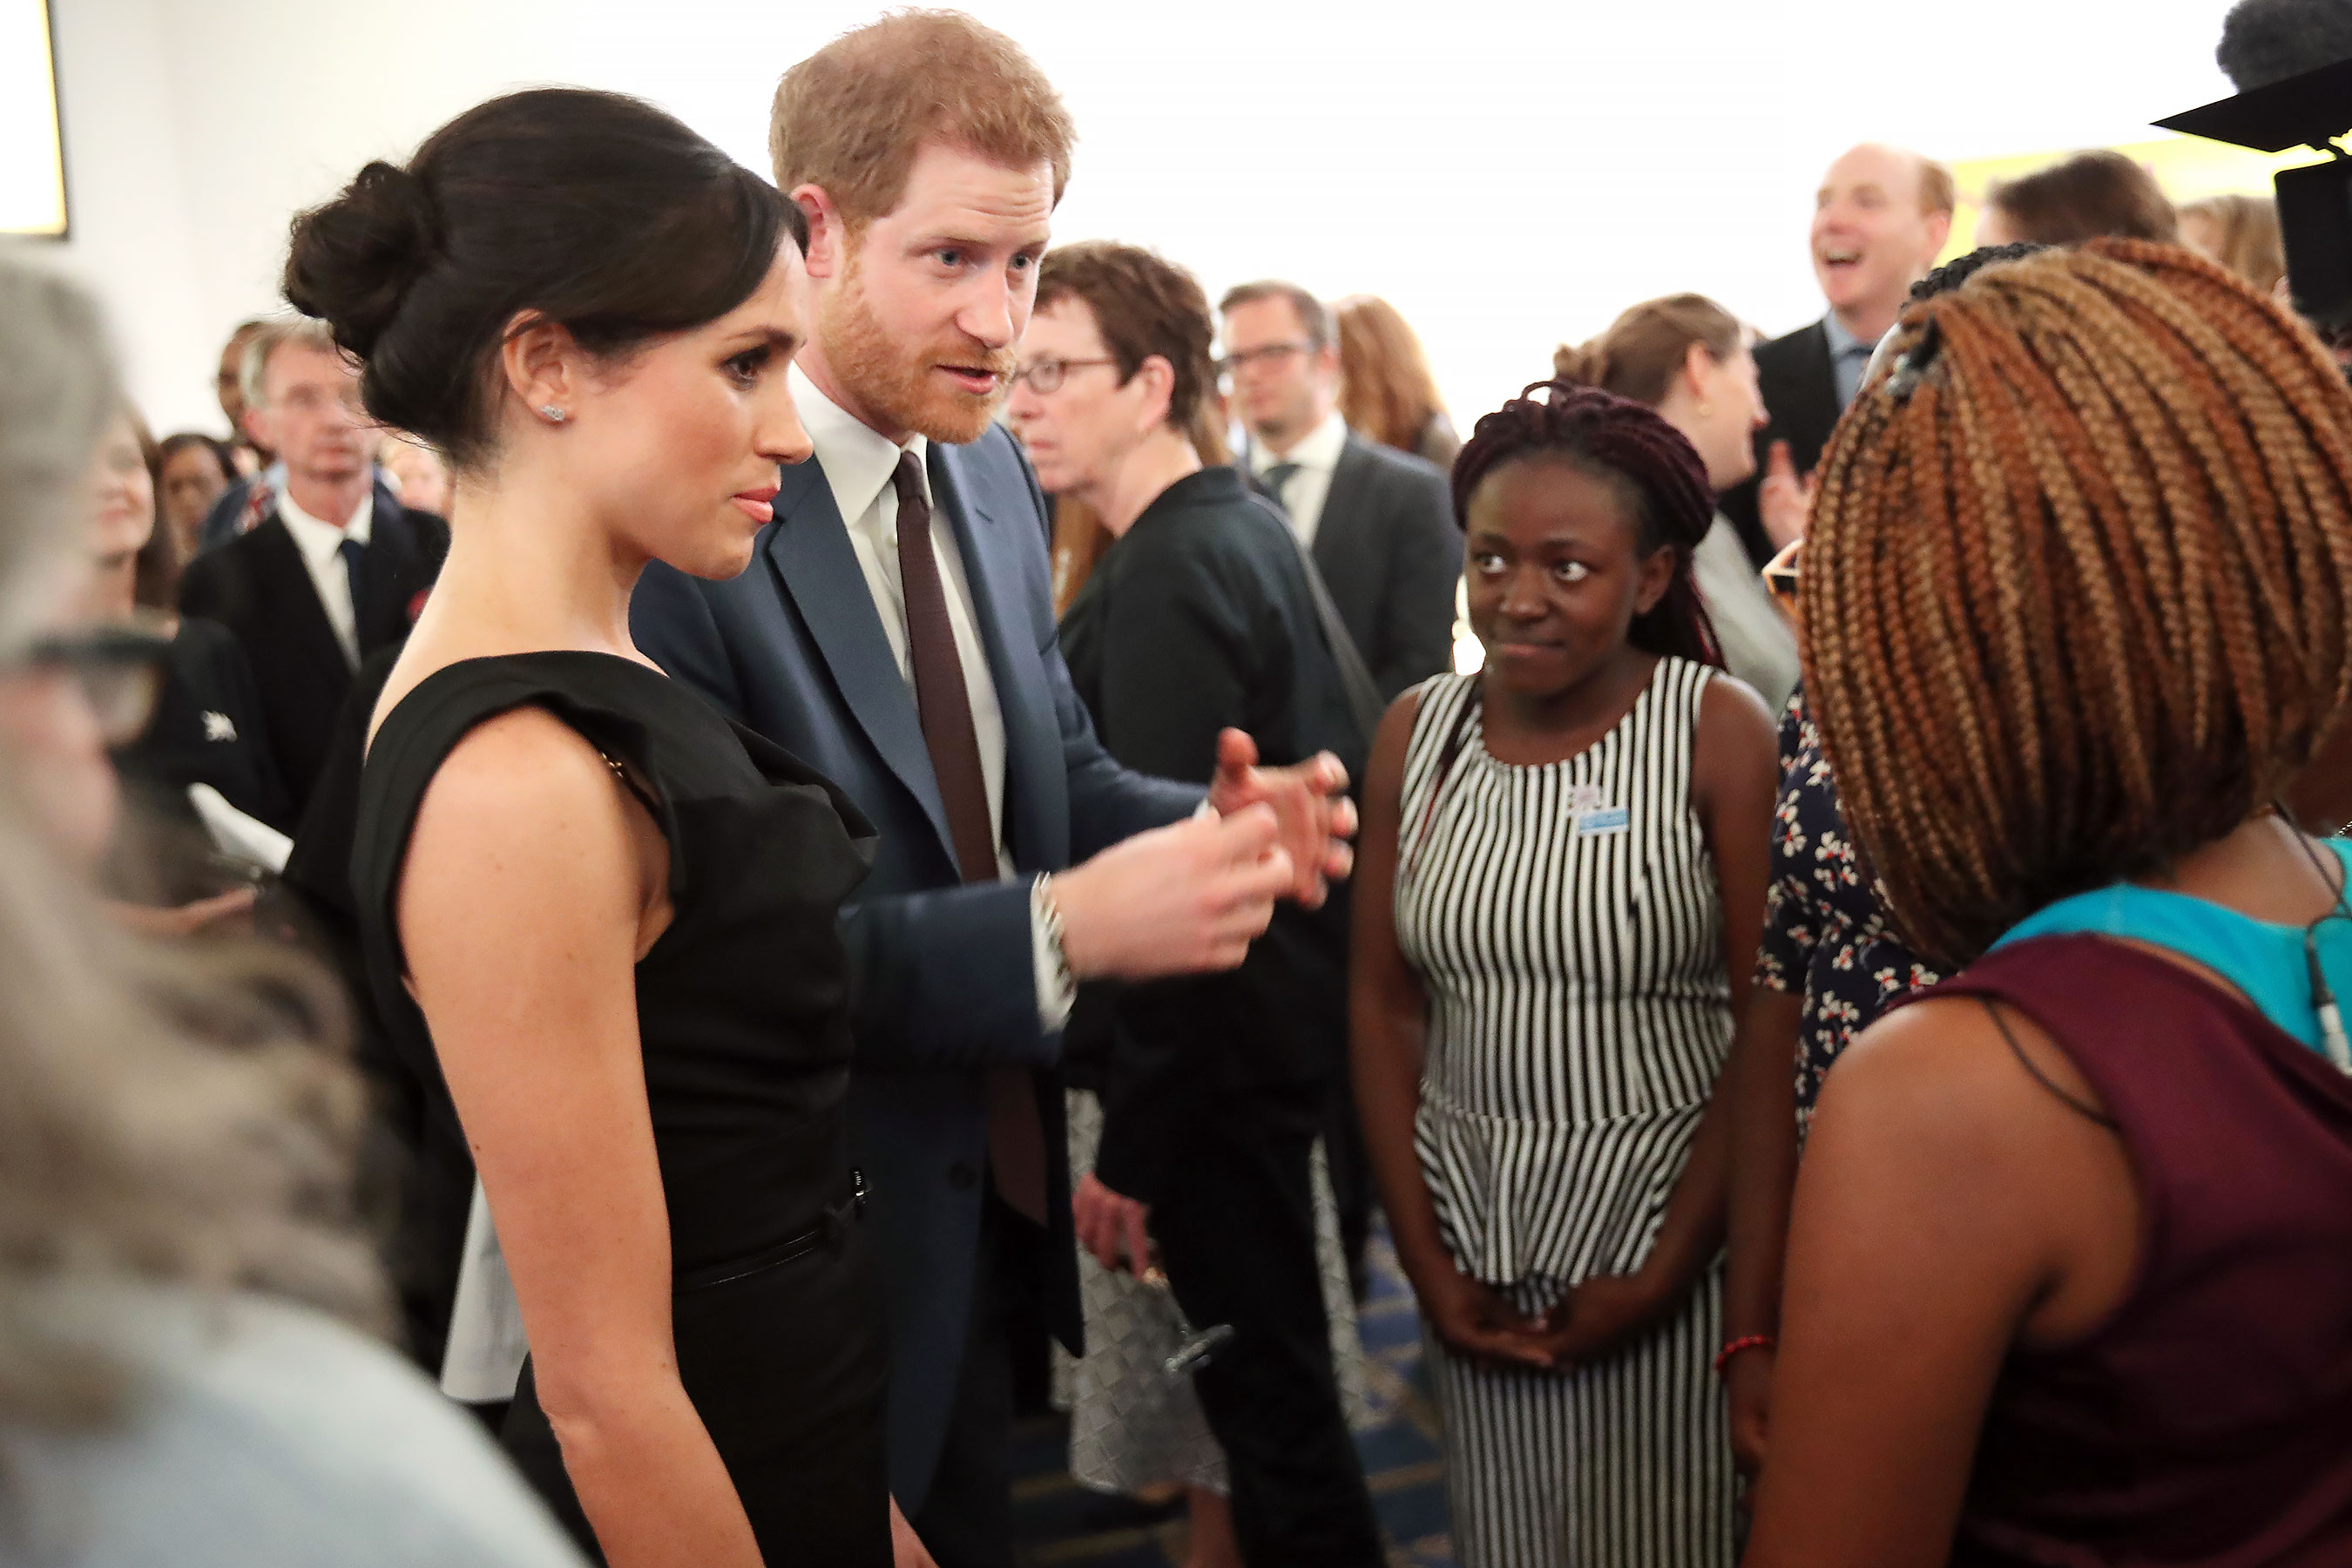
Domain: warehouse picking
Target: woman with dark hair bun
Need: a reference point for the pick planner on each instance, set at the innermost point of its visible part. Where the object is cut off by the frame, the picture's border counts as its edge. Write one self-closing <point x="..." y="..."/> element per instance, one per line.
<point x="1556" y="911"/>
<point x="599" y="920"/>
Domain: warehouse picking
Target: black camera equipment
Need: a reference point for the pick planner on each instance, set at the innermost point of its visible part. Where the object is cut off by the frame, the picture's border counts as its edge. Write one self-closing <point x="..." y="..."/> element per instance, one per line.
<point x="2291" y="63"/>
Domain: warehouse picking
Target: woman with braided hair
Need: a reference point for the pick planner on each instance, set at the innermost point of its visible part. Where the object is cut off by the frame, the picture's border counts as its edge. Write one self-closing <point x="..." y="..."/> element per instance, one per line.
<point x="1561" y="883"/>
<point x="2067" y="1275"/>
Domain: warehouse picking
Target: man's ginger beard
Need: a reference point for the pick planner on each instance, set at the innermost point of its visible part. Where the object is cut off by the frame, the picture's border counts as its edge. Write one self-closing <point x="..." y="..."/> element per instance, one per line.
<point x="895" y="381"/>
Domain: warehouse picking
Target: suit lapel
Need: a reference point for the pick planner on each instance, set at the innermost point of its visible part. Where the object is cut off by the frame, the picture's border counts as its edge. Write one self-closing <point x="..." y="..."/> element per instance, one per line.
<point x="809" y="547"/>
<point x="1345" y="504"/>
<point x="1031" y="731"/>
<point x="384" y="617"/>
<point x="1821" y="385"/>
<point x="283" y="579"/>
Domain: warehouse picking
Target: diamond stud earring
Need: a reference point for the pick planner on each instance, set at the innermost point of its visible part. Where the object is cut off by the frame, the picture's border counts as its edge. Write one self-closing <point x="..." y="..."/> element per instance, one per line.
<point x="553" y="415"/>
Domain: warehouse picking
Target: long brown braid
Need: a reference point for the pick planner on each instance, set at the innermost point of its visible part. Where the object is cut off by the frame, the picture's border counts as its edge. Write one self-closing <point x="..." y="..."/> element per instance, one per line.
<point x="1629" y="444"/>
<point x="2075" y="590"/>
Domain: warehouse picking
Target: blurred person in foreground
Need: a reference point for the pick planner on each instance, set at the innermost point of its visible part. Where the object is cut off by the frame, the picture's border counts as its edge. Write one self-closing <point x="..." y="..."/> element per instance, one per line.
<point x="2090" y="194"/>
<point x="1562" y="881"/>
<point x="1386" y="390"/>
<point x="2066" y="1271"/>
<point x="1374" y="518"/>
<point x="895" y="628"/>
<point x="1213" y="1091"/>
<point x="1880" y="218"/>
<point x="2241" y="233"/>
<point x="1687" y="357"/>
<point x="176" y="1175"/>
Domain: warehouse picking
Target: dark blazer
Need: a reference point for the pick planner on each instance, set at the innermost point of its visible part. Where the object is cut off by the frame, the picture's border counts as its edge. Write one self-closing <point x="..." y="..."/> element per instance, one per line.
<point x="1800" y="398"/>
<point x="208" y="727"/>
<point x="257" y="586"/>
<point x="946" y="987"/>
<point x="1202" y="618"/>
<point x="1390" y="553"/>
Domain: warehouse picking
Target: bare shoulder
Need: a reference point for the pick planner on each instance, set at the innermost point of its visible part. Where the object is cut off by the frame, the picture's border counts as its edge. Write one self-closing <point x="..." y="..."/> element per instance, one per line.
<point x="1950" y="1080"/>
<point x="1736" y="751"/>
<point x="1730" y="714"/>
<point x="521" y="786"/>
<point x="1971" y="1126"/>
<point x="1396" y="724"/>
<point x="1384" y="768"/>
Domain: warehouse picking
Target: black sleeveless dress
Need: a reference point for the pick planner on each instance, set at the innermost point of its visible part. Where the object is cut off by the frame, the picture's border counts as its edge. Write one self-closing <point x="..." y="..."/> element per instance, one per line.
<point x="742" y="1010"/>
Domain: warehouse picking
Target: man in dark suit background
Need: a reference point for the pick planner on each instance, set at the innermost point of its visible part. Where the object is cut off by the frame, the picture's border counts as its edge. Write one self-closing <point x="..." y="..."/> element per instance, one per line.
<point x="1880" y="219"/>
<point x="896" y="631"/>
<point x="1380" y="525"/>
<point x="337" y="570"/>
<point x="1378" y="522"/>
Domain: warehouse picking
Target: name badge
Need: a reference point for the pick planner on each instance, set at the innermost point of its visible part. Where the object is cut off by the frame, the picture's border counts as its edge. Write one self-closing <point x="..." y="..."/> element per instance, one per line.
<point x="1599" y="824"/>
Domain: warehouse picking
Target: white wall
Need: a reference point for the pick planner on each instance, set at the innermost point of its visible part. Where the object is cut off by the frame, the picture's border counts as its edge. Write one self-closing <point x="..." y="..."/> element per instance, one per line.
<point x="1508" y="174"/>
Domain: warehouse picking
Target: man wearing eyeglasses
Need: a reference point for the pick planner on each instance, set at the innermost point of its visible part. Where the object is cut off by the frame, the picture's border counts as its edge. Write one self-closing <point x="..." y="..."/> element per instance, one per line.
<point x="1378" y="522"/>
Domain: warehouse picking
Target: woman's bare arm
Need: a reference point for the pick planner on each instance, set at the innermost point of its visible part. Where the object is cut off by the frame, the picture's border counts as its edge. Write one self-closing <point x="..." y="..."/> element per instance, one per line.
<point x="533" y="882"/>
<point x="1387" y="1023"/>
<point x="1759" y="1085"/>
<point x="1948" y="1207"/>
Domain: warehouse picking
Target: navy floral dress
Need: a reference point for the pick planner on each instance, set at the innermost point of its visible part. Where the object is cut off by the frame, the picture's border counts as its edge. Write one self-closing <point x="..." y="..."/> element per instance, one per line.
<point x="1825" y="931"/>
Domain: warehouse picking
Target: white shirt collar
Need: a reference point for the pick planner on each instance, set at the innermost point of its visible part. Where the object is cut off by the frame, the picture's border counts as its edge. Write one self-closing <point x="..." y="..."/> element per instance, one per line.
<point x="858" y="460"/>
<point x="1318" y="450"/>
<point x="319" y="541"/>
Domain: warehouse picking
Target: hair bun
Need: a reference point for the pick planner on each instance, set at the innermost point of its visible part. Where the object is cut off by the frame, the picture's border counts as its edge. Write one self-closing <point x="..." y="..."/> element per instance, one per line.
<point x="1579" y="364"/>
<point x="353" y="260"/>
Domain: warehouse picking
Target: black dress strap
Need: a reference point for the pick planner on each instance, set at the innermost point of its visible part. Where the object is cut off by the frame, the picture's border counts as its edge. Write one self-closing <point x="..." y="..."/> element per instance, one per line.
<point x="417" y="736"/>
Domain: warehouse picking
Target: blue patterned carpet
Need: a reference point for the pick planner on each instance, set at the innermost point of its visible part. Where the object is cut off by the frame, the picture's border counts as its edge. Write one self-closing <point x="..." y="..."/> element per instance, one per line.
<point x="1060" y="1522"/>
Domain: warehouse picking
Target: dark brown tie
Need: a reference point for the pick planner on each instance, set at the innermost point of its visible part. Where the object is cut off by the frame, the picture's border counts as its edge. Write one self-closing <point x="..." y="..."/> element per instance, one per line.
<point x="1016" y="1136"/>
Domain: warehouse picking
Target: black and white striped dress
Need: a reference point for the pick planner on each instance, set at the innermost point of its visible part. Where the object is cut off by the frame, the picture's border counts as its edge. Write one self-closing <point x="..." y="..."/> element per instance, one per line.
<point x="1566" y="923"/>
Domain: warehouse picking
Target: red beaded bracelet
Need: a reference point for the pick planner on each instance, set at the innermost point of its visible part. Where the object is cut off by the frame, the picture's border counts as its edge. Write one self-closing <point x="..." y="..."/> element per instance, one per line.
<point x="1745" y="1343"/>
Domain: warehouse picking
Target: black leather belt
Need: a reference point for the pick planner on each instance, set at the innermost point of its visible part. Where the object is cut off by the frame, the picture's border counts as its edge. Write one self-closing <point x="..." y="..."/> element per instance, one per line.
<point x="830" y="1228"/>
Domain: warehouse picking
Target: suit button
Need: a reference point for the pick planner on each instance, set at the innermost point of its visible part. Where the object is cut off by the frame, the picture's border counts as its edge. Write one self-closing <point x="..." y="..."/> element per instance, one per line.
<point x="962" y="1177"/>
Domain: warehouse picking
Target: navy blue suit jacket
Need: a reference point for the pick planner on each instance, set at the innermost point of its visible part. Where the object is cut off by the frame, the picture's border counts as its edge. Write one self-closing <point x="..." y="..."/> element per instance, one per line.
<point x="945" y="982"/>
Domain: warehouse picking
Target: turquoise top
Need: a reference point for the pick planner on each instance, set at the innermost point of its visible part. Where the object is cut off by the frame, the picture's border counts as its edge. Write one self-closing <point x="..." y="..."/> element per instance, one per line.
<point x="2264" y="961"/>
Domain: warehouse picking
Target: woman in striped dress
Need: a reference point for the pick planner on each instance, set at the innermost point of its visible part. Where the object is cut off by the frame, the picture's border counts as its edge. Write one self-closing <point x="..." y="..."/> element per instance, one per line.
<point x="1561" y="886"/>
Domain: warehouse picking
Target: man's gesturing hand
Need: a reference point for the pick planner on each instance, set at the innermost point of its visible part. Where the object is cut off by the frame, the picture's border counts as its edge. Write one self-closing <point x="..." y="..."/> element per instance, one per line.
<point x="1186" y="899"/>
<point x="1309" y="801"/>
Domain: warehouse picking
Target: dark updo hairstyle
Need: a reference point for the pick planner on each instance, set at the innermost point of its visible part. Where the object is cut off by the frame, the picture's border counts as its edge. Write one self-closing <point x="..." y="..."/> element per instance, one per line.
<point x="598" y="211"/>
<point x="1651" y="463"/>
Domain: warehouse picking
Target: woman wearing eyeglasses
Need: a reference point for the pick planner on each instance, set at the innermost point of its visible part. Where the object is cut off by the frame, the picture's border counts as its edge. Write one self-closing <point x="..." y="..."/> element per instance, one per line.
<point x="1201" y="618"/>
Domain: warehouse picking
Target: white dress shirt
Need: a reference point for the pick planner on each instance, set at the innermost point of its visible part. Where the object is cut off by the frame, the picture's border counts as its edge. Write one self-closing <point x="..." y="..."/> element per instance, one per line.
<point x="321" y="544"/>
<point x="858" y="464"/>
<point x="1316" y="455"/>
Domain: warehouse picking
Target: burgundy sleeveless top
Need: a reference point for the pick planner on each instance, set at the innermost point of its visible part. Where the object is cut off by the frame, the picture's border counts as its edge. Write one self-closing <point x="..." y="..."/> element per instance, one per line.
<point x="2208" y="1422"/>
